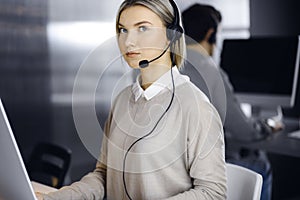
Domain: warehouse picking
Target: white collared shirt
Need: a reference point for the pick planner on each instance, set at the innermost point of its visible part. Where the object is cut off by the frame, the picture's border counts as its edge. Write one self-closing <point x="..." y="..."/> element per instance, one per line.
<point x="164" y="82"/>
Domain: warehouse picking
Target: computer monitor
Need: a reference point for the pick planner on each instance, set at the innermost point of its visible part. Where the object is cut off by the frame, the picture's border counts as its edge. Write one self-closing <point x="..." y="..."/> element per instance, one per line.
<point x="294" y="112"/>
<point x="14" y="180"/>
<point x="263" y="71"/>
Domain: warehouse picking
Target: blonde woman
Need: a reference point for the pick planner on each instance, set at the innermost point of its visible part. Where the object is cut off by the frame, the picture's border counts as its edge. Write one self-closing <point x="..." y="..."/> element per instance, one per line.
<point x="163" y="138"/>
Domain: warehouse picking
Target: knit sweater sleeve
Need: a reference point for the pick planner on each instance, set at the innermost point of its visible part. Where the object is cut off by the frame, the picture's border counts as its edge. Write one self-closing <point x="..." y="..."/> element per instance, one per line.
<point x="91" y="187"/>
<point x="205" y="156"/>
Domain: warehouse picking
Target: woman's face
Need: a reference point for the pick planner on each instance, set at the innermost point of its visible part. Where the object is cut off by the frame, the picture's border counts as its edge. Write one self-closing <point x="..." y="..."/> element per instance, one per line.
<point x="142" y="35"/>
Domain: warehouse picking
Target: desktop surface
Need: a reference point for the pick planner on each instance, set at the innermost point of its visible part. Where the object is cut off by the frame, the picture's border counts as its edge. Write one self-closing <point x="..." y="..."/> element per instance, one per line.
<point x="278" y="143"/>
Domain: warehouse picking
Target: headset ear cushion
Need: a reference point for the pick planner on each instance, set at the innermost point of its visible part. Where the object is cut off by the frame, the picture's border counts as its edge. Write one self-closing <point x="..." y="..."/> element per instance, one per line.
<point x="174" y="32"/>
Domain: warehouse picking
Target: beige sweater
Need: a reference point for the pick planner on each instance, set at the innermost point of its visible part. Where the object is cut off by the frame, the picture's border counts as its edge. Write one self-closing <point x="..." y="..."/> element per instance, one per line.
<point x="182" y="159"/>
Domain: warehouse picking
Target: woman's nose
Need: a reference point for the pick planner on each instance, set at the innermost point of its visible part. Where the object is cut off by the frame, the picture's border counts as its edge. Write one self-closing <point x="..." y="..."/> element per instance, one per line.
<point x="131" y="39"/>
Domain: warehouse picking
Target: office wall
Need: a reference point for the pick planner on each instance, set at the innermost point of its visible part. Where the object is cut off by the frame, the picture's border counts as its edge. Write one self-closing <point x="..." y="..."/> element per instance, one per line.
<point x="274" y="17"/>
<point x="24" y="70"/>
<point x="75" y="28"/>
<point x="42" y="47"/>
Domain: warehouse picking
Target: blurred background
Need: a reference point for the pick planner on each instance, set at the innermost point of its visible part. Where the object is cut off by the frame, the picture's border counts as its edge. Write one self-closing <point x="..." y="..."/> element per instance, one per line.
<point x="43" y="44"/>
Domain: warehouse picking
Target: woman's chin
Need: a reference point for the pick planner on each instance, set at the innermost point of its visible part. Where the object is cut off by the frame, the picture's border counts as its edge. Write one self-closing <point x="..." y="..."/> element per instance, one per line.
<point x="133" y="65"/>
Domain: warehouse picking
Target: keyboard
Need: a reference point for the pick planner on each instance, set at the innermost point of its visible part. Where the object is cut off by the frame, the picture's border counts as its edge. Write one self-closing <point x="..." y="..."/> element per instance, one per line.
<point x="294" y="134"/>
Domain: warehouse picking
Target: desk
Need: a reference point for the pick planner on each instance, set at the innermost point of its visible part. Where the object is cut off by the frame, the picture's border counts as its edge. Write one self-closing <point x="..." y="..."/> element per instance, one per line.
<point x="283" y="153"/>
<point x="279" y="143"/>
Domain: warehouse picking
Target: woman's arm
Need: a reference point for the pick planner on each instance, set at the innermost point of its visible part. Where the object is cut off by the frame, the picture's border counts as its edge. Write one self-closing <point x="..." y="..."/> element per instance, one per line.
<point x="206" y="156"/>
<point x="90" y="186"/>
<point x="209" y="181"/>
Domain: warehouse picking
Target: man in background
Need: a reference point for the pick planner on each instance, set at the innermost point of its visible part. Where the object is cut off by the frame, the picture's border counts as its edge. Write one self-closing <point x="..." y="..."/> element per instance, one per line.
<point x="201" y="24"/>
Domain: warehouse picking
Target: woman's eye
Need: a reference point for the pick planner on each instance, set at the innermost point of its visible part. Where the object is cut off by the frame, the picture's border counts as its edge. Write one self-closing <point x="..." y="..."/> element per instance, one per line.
<point x="143" y="28"/>
<point x="122" y="30"/>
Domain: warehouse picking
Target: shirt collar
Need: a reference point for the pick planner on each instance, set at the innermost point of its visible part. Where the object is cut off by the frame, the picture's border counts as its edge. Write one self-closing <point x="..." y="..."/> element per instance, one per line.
<point x="165" y="81"/>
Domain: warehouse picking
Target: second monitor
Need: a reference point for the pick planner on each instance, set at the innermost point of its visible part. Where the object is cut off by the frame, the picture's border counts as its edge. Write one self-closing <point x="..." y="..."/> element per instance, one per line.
<point x="263" y="71"/>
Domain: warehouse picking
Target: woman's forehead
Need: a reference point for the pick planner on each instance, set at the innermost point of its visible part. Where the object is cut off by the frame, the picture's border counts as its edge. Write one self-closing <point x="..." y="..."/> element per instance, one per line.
<point x="136" y="14"/>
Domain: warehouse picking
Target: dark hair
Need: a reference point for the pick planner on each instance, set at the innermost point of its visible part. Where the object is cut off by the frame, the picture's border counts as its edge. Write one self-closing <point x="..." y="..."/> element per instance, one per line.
<point x="197" y="20"/>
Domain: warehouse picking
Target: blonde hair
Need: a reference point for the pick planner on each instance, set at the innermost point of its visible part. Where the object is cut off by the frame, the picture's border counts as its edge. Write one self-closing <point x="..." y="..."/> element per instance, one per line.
<point x="165" y="11"/>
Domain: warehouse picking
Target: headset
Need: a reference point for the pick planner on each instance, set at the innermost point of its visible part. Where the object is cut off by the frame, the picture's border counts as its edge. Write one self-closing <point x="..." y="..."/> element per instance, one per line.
<point x="174" y="30"/>
<point x="174" y="33"/>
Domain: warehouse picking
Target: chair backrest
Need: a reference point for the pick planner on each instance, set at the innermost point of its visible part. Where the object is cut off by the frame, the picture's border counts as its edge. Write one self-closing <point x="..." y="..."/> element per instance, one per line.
<point x="243" y="183"/>
<point x="49" y="164"/>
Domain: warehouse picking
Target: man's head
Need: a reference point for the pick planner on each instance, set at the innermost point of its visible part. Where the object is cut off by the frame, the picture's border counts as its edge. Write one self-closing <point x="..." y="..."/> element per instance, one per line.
<point x="200" y="23"/>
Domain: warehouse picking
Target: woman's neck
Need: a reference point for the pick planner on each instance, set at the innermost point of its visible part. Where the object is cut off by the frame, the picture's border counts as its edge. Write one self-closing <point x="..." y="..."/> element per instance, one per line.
<point x="152" y="73"/>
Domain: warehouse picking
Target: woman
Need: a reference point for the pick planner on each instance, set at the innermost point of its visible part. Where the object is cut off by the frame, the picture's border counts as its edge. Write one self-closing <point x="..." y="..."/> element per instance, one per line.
<point x="163" y="139"/>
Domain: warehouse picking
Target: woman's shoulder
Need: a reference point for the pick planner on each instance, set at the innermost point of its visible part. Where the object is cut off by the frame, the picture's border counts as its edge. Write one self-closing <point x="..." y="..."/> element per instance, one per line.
<point x="125" y="93"/>
<point x="189" y="92"/>
<point x="194" y="100"/>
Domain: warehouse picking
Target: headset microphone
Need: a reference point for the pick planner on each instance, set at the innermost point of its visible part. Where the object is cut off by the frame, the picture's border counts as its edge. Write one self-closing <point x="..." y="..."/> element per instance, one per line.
<point x="145" y="63"/>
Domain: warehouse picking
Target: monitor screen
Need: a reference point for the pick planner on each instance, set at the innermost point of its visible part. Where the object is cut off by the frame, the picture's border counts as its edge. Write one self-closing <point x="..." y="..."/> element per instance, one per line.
<point x="263" y="71"/>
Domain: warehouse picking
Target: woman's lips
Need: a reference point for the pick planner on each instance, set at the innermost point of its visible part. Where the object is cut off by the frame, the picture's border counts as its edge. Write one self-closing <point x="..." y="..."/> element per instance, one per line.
<point x="132" y="54"/>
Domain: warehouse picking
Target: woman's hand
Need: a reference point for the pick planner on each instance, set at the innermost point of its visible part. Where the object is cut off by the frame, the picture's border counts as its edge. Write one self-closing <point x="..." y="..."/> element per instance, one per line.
<point x="39" y="195"/>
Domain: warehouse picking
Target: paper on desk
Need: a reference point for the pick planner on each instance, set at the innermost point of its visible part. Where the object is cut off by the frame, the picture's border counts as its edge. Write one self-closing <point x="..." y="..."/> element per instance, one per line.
<point x="295" y="134"/>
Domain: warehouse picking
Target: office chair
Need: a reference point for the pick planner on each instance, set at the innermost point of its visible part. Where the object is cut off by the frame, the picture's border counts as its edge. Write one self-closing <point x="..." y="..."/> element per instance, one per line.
<point x="243" y="183"/>
<point x="49" y="163"/>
